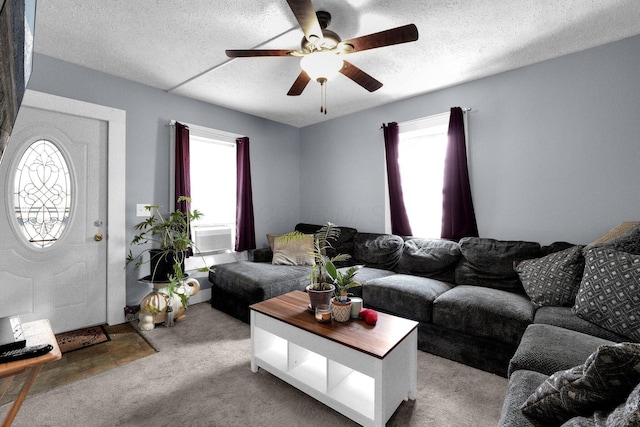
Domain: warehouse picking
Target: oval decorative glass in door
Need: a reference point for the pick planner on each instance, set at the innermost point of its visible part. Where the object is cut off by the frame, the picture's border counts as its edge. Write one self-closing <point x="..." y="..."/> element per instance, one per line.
<point x="42" y="195"/>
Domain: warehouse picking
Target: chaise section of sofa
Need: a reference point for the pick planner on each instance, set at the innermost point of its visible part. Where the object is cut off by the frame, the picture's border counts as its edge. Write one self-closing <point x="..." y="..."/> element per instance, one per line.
<point x="566" y="338"/>
<point x="237" y="285"/>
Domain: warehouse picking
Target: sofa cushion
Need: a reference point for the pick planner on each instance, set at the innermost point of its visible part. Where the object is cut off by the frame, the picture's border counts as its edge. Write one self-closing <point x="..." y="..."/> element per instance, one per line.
<point x="377" y="250"/>
<point x="434" y="258"/>
<point x="553" y="279"/>
<point x="258" y="281"/>
<point x="491" y="313"/>
<point x="489" y="262"/>
<point x="603" y="382"/>
<point x="609" y="294"/>
<point x="548" y="349"/>
<point x="521" y="384"/>
<point x="293" y="248"/>
<point x="404" y="295"/>
<point x="342" y="245"/>
<point x="565" y="318"/>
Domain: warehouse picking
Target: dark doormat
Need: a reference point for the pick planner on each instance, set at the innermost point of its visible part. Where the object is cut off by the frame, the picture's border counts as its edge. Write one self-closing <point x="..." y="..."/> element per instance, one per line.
<point x="81" y="338"/>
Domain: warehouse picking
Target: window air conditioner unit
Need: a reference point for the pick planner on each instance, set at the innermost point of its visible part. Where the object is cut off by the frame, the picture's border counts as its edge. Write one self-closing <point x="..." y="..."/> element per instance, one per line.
<point x="212" y="239"/>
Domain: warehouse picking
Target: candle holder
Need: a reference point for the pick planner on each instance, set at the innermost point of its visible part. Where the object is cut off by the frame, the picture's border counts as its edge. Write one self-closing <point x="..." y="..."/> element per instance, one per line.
<point x="356" y="306"/>
<point x="323" y="313"/>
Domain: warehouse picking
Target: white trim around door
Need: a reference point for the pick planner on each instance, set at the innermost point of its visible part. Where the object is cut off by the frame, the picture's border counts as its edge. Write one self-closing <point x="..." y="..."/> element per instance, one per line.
<point x="116" y="245"/>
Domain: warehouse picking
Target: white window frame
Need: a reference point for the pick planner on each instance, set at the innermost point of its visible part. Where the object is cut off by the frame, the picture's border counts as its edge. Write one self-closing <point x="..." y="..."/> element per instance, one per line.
<point x="424" y="126"/>
<point x="202" y="131"/>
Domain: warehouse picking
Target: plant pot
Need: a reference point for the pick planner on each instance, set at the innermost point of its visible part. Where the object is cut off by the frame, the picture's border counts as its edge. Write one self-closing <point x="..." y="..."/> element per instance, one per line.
<point x="161" y="264"/>
<point x="320" y="297"/>
<point x="341" y="310"/>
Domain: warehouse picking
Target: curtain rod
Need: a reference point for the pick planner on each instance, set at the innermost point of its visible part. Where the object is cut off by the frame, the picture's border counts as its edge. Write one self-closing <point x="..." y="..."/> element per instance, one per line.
<point x="208" y="131"/>
<point x="408" y="122"/>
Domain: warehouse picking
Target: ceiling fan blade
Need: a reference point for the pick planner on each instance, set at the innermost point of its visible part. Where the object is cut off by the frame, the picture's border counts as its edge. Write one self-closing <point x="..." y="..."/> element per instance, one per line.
<point x="360" y="77"/>
<point x="306" y="16"/>
<point x="404" y="34"/>
<point x="256" y="52"/>
<point x="300" y="83"/>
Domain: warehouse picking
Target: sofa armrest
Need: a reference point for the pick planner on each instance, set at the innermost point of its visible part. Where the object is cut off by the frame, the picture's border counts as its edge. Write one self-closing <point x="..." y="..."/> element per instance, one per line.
<point x="262" y="255"/>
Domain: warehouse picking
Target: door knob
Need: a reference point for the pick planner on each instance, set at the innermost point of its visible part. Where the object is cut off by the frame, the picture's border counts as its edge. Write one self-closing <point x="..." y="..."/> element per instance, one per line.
<point x="97" y="237"/>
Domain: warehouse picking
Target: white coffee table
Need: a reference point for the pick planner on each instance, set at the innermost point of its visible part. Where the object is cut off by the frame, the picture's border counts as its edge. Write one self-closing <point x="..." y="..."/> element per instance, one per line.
<point x="362" y="371"/>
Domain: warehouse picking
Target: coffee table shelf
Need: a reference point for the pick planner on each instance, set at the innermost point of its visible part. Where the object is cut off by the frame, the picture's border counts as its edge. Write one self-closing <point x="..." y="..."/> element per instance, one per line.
<point x="362" y="386"/>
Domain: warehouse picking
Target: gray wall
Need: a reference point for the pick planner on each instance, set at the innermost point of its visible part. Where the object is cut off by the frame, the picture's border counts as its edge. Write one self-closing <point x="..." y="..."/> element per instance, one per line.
<point x="274" y="147"/>
<point x="554" y="150"/>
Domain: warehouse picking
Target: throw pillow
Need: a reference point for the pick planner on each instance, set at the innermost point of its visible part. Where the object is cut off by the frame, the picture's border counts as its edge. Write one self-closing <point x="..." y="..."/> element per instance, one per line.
<point x="603" y="382"/>
<point x="609" y="294"/>
<point x="293" y="248"/>
<point x="629" y="241"/>
<point x="625" y="415"/>
<point x="553" y="279"/>
<point x="271" y="238"/>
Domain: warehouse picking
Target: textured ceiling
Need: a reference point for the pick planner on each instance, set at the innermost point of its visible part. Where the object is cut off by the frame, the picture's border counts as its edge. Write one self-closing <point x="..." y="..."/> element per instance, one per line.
<point x="178" y="46"/>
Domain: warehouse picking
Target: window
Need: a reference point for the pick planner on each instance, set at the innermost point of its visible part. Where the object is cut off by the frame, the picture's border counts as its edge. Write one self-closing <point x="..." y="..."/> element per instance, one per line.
<point x="212" y="165"/>
<point x="42" y="193"/>
<point x="422" y="149"/>
<point x="213" y="180"/>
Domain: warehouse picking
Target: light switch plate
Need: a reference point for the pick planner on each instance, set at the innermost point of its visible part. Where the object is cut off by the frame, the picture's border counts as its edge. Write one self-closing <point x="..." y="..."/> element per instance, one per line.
<point x="141" y="210"/>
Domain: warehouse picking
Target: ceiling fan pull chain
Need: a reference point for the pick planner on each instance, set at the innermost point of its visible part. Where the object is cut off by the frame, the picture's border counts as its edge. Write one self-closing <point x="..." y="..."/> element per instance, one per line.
<point x="323" y="94"/>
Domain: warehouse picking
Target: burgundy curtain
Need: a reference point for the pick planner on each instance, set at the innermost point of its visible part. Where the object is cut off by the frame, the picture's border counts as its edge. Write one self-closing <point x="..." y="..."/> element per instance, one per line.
<point x="399" y="219"/>
<point x="245" y="228"/>
<point x="183" y="170"/>
<point x="458" y="217"/>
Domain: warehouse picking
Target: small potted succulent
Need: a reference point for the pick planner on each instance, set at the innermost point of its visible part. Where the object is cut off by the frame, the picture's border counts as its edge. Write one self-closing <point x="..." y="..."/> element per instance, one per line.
<point x="341" y="303"/>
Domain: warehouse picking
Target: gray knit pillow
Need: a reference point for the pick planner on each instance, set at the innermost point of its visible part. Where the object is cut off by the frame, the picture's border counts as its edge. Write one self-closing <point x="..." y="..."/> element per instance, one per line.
<point x="553" y="279"/>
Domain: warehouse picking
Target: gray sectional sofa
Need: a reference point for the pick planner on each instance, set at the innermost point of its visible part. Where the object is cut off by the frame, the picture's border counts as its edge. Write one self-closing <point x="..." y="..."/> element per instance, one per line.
<point x="501" y="306"/>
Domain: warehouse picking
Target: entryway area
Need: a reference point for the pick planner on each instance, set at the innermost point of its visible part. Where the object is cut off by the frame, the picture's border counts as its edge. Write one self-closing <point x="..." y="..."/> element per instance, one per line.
<point x="67" y="264"/>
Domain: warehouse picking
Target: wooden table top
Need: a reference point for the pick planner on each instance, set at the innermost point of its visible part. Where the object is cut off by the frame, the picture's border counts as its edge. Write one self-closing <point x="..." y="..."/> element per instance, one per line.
<point x="377" y="340"/>
<point x="36" y="333"/>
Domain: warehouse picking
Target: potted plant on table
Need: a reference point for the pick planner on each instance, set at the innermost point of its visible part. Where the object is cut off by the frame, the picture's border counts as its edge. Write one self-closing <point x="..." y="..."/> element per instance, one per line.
<point x="321" y="288"/>
<point x="341" y="303"/>
<point x="170" y="240"/>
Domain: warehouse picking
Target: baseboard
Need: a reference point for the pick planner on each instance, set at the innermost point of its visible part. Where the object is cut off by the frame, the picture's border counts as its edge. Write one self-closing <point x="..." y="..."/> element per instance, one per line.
<point x="202" y="296"/>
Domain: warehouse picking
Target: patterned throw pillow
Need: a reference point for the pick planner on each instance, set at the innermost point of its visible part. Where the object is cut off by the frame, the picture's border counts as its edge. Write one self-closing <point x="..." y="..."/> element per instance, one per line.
<point x="609" y="294"/>
<point x="293" y="248"/>
<point x="553" y="279"/>
<point x="603" y="382"/>
<point x="625" y="415"/>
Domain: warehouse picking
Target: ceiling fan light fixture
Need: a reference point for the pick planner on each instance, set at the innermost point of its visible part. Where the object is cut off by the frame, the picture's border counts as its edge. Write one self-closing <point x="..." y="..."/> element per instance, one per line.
<point x="321" y="65"/>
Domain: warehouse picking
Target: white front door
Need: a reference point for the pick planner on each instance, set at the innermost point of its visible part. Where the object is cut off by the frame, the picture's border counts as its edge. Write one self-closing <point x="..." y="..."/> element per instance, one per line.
<point x="66" y="281"/>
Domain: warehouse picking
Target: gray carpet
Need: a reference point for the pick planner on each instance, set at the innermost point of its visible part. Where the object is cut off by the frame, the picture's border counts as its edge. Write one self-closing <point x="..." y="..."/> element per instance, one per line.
<point x="201" y="377"/>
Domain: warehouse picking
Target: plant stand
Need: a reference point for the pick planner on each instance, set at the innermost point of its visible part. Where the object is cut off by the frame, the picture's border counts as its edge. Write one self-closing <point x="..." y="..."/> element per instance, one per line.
<point x="153" y="307"/>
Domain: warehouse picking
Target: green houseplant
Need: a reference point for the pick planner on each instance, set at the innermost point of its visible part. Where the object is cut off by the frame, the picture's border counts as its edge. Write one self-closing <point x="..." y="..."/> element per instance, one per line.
<point x="321" y="286"/>
<point x="167" y="239"/>
<point x="341" y="304"/>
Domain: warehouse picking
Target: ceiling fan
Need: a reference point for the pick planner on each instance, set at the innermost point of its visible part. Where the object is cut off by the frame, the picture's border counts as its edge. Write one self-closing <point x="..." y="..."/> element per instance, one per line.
<point x="321" y="49"/>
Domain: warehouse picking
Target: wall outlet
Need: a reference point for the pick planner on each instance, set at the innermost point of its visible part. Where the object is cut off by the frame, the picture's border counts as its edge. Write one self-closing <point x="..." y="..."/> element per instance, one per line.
<point x="141" y="209"/>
